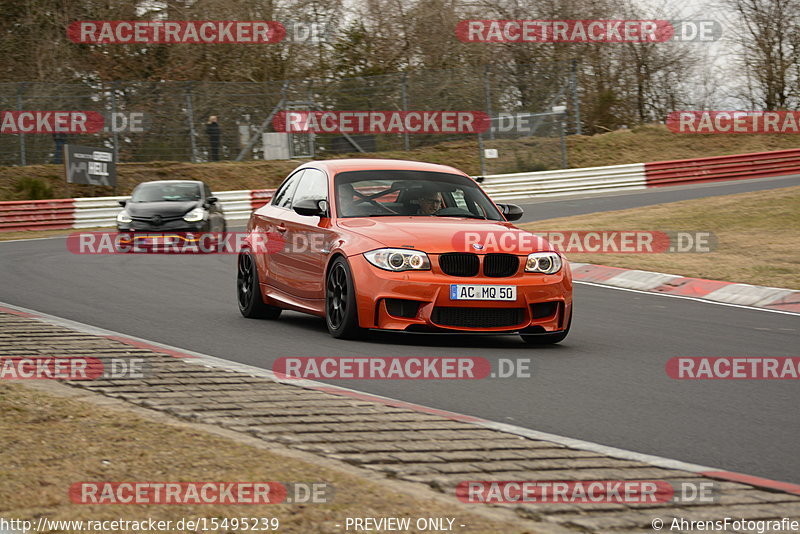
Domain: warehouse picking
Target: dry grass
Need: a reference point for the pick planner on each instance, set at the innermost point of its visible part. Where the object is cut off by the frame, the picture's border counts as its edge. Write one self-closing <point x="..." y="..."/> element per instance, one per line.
<point x="50" y="443"/>
<point x="641" y="144"/>
<point x="758" y="236"/>
<point x="39" y="234"/>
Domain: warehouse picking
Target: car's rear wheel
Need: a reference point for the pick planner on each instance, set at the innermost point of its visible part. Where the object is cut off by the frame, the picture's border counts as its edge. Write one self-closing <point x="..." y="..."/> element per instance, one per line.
<point x="248" y="292"/>
<point x="341" y="314"/>
<point x="547" y="339"/>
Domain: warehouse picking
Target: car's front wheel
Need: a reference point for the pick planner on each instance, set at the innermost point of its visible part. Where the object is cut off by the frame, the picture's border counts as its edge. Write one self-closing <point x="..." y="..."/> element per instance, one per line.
<point x="248" y="292"/>
<point x="341" y="315"/>
<point x="547" y="339"/>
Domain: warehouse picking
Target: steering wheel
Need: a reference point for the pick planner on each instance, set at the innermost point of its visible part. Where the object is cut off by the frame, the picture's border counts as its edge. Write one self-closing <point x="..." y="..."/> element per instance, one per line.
<point x="376" y="204"/>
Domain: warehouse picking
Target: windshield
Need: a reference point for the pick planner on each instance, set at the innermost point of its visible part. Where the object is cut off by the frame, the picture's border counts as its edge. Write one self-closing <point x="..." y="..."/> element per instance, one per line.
<point x="165" y="192"/>
<point x="385" y="193"/>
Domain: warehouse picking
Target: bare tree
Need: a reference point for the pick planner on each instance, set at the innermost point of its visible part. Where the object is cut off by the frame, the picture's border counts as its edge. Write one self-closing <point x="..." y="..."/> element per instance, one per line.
<point x="769" y="40"/>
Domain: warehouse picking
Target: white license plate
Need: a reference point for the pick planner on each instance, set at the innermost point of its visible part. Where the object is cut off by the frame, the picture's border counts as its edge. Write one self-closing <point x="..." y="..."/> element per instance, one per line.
<point x="480" y="292"/>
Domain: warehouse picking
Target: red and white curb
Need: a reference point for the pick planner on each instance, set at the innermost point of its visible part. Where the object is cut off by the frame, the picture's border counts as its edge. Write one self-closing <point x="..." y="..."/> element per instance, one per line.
<point x="219" y="363"/>
<point x="745" y="295"/>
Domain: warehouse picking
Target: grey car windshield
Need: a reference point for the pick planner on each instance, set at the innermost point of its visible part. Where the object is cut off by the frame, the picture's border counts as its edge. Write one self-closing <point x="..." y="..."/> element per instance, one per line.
<point x="166" y="192"/>
<point x="385" y="193"/>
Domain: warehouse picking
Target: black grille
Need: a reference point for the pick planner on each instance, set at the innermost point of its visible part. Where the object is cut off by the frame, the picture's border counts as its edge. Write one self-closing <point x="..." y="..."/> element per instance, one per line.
<point x="459" y="264"/>
<point x="478" y="317"/>
<point x="543" y="309"/>
<point x="500" y="265"/>
<point x="402" y="307"/>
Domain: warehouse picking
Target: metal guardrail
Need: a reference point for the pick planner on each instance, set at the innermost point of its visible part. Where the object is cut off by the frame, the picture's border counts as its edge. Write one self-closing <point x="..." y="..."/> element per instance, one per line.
<point x="715" y="168"/>
<point x="96" y="212"/>
<point x="565" y="181"/>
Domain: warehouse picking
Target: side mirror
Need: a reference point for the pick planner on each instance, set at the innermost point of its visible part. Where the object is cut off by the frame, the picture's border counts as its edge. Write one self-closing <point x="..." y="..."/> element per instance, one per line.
<point x="311" y="207"/>
<point x="511" y="212"/>
<point x="123" y="202"/>
<point x="212" y="200"/>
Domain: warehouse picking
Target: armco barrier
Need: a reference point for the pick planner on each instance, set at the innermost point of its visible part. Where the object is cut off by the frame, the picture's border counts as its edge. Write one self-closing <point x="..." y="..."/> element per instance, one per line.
<point x="737" y="167"/>
<point x="565" y="182"/>
<point x="95" y="212"/>
<point x="102" y="211"/>
<point x="37" y="214"/>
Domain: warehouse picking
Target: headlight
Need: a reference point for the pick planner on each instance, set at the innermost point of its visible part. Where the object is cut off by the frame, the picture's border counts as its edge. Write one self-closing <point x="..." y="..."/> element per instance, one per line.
<point x="195" y="215"/>
<point x="123" y="217"/>
<point x="543" y="262"/>
<point x="398" y="259"/>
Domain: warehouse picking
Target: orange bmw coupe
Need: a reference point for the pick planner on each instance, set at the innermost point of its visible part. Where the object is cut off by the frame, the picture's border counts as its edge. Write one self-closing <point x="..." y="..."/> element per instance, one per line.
<point x="401" y="246"/>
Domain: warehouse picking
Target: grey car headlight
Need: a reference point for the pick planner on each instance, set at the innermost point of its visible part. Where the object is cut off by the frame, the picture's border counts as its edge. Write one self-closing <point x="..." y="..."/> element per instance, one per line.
<point x="123" y="217"/>
<point x="543" y="262"/>
<point x="195" y="215"/>
<point x="398" y="259"/>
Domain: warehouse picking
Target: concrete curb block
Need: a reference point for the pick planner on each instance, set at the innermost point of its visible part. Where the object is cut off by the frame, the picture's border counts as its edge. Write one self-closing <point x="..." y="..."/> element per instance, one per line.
<point x="760" y="297"/>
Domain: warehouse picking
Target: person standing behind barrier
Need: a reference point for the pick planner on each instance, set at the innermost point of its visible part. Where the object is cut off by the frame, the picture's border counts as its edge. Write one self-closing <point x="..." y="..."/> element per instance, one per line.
<point x="60" y="140"/>
<point x="213" y="131"/>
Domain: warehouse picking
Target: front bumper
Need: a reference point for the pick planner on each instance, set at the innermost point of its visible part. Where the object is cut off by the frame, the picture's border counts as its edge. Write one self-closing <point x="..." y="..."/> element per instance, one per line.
<point x="178" y="225"/>
<point x="420" y="301"/>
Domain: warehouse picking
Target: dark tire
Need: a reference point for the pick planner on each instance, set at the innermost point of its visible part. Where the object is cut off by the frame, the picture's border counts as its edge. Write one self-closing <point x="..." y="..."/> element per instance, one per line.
<point x="248" y="291"/>
<point x="547" y="339"/>
<point x="341" y="314"/>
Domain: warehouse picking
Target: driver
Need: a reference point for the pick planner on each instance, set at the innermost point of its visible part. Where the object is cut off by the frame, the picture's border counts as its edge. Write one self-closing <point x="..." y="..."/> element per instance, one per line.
<point x="430" y="203"/>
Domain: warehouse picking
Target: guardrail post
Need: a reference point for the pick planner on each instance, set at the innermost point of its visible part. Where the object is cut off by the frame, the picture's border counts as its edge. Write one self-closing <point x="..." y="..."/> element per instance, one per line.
<point x="487" y="93"/>
<point x="114" y="133"/>
<point x="576" y="102"/>
<point x="20" y="90"/>
<point x="404" y="96"/>
<point x="562" y="125"/>
<point x="481" y="154"/>
<point x="190" y="120"/>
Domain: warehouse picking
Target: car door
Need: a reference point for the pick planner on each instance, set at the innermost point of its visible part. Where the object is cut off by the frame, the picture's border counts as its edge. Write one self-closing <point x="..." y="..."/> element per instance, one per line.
<point x="302" y="262"/>
<point x="270" y="223"/>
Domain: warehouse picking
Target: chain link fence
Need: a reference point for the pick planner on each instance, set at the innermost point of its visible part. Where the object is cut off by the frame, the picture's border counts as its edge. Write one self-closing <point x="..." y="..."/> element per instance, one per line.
<point x="167" y="121"/>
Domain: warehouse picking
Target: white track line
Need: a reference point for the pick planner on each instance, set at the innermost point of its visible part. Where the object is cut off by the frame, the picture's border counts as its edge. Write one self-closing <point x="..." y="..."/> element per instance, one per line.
<point x="697" y="299"/>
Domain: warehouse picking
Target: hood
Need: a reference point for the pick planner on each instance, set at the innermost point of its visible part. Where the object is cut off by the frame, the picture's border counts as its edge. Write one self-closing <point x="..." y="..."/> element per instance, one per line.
<point x="436" y="235"/>
<point x="163" y="208"/>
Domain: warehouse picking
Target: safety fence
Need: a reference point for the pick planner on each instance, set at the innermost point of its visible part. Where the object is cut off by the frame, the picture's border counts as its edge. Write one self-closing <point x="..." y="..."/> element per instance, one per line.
<point x="642" y="175"/>
<point x="102" y="211"/>
<point x="735" y="167"/>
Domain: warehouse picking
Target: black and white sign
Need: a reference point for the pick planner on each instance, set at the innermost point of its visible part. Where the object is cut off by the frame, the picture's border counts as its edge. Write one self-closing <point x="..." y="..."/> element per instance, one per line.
<point x="91" y="166"/>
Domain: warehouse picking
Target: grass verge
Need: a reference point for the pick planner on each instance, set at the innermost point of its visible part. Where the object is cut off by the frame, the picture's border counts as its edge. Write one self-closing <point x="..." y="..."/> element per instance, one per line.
<point x="758" y="236"/>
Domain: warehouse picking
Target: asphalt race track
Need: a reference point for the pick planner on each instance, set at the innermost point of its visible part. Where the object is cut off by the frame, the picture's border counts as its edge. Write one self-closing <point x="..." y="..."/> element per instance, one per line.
<point x="606" y="383"/>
